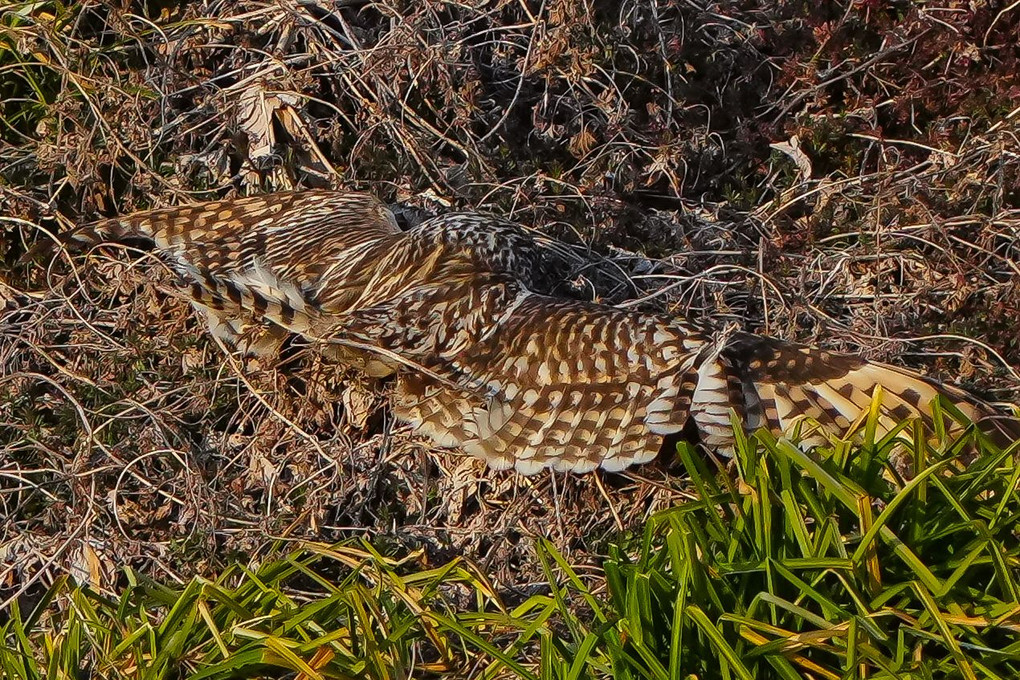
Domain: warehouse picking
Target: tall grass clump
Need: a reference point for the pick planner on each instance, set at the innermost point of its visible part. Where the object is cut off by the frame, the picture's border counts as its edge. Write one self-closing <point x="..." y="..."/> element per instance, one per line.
<point x="833" y="564"/>
<point x="318" y="612"/>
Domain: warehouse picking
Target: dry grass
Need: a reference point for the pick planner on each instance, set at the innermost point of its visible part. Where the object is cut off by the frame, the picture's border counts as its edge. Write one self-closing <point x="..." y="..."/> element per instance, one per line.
<point x="640" y="130"/>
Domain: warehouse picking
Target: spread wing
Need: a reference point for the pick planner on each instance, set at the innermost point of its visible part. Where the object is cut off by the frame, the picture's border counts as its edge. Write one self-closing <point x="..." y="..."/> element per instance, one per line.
<point x="527" y="381"/>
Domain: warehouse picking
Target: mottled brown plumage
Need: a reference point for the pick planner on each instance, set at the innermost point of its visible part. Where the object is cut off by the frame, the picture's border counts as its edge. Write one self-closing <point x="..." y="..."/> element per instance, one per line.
<point x="483" y="361"/>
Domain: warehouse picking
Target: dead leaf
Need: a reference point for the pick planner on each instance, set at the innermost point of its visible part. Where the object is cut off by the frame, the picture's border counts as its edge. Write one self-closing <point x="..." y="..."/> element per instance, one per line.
<point x="87" y="565"/>
<point x="255" y="110"/>
<point x="793" y="150"/>
<point x="581" y="143"/>
<point x="261" y="469"/>
<point x="357" y="403"/>
<point x="311" y="158"/>
<point x="461" y="484"/>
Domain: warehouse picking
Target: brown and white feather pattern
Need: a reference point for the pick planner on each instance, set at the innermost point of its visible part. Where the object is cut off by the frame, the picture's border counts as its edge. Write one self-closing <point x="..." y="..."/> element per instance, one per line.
<point x="483" y="361"/>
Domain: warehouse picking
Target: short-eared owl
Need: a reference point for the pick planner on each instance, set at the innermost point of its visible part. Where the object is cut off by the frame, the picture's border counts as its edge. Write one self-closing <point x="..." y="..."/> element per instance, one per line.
<point x="483" y="360"/>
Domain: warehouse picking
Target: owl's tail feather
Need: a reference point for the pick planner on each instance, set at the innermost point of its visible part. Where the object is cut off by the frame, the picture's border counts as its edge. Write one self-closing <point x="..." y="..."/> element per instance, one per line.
<point x="78" y="238"/>
<point x="178" y="227"/>
<point x="318" y="216"/>
<point x="781" y="383"/>
<point x="115" y="229"/>
<point x="164" y="228"/>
